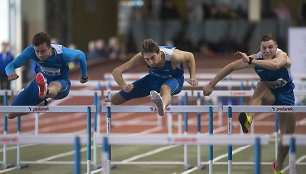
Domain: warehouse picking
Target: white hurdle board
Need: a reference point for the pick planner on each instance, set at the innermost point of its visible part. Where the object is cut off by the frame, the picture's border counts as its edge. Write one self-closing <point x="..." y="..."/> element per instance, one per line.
<point x="300" y="140"/>
<point x="76" y="108"/>
<point x="191" y="139"/>
<point x="188" y="108"/>
<point x="275" y="108"/>
<point x="41" y="139"/>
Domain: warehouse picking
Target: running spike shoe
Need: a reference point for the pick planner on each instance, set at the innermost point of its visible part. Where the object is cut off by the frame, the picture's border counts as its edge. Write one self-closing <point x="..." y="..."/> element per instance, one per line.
<point x="245" y="121"/>
<point x="157" y="99"/>
<point x="42" y="85"/>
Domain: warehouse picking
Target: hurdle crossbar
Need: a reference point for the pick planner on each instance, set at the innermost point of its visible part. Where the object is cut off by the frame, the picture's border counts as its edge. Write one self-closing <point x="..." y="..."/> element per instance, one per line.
<point x="218" y="93"/>
<point x="191" y="139"/>
<point x="182" y="93"/>
<point x="19" y="109"/>
<point x="154" y="108"/>
<point x="199" y="76"/>
<point x="226" y="93"/>
<point x="40" y="139"/>
<point x="299" y="139"/>
<point x="83" y="93"/>
<point x="275" y="108"/>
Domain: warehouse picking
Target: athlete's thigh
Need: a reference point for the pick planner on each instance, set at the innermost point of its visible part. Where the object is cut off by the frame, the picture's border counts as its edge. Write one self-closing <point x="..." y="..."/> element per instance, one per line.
<point x="142" y="87"/>
<point x="264" y="93"/>
<point x="28" y="97"/>
<point x="175" y="84"/>
<point x="65" y="88"/>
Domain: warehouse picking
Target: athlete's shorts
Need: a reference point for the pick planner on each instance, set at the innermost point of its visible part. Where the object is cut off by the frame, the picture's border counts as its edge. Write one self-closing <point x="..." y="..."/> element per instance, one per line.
<point x="143" y="86"/>
<point x="29" y="96"/>
<point x="284" y="95"/>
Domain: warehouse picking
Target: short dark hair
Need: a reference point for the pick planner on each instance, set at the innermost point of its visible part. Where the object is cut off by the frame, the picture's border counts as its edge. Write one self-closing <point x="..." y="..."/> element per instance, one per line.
<point x="149" y="46"/>
<point x="40" y="38"/>
<point x="267" y="37"/>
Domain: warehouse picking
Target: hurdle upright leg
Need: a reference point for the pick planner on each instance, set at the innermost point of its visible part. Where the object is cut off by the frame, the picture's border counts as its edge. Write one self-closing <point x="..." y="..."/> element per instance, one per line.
<point x="18" y="145"/>
<point x="230" y="126"/>
<point x="179" y="122"/>
<point x="199" y="132"/>
<point x="96" y="166"/>
<point x="105" y="157"/>
<point x="292" y="157"/>
<point x="257" y="156"/>
<point x="187" y="166"/>
<point x="4" y="133"/>
<point x="88" y="140"/>
<point x="276" y="136"/>
<point x="77" y="157"/>
<point x="211" y="148"/>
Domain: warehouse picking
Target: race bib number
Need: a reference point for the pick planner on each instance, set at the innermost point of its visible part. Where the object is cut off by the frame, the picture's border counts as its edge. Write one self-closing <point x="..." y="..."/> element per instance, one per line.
<point x="50" y="71"/>
<point x="277" y="83"/>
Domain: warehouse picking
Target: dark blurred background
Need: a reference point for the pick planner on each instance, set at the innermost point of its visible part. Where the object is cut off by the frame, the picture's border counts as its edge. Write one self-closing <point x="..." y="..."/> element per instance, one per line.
<point x="194" y="25"/>
<point x="114" y="29"/>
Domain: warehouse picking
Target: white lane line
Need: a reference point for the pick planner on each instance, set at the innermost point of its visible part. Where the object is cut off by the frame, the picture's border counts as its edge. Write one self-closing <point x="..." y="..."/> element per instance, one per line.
<point x="151" y="152"/>
<point x="219" y="158"/>
<point x="297" y="161"/>
<point x="7" y="170"/>
<point x="148" y="153"/>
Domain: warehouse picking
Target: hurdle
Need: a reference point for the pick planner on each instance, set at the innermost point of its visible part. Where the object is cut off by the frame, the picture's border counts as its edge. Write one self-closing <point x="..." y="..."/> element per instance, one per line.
<point x="76" y="93"/>
<point x="47" y="140"/>
<point x="59" y="109"/>
<point x="112" y="83"/>
<point x="248" y="108"/>
<point x="169" y="109"/>
<point x="85" y="93"/>
<point x="293" y="141"/>
<point x="191" y="139"/>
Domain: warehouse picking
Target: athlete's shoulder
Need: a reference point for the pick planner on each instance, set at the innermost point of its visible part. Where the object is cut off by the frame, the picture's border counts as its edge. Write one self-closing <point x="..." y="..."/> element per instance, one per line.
<point x="29" y="48"/>
<point x="166" y="47"/>
<point x="66" y="50"/>
<point x="58" y="48"/>
<point x="29" y="51"/>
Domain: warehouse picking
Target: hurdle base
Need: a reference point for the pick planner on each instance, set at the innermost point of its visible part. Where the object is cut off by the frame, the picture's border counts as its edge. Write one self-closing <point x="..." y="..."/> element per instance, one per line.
<point x="97" y="166"/>
<point x="21" y="166"/>
<point x="113" y="166"/>
<point x="9" y="165"/>
<point x="188" y="166"/>
<point x="201" y="167"/>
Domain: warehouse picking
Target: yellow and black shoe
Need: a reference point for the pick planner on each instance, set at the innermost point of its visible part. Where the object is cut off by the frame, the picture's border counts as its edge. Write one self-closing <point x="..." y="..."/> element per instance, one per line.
<point x="275" y="170"/>
<point x="245" y="121"/>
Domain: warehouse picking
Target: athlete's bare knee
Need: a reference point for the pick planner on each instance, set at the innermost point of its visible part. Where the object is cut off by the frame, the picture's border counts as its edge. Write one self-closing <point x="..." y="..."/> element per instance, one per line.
<point x="117" y="99"/>
<point x="53" y="89"/>
<point x="115" y="102"/>
<point x="11" y="115"/>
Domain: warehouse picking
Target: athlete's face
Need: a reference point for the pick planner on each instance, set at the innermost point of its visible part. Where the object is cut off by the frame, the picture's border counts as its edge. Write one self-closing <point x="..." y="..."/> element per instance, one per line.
<point x="43" y="51"/>
<point x="268" y="49"/>
<point x="152" y="59"/>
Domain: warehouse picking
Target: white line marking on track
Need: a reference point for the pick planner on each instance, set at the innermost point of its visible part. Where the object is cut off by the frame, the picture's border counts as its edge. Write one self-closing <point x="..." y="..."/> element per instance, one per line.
<point x="148" y="153"/>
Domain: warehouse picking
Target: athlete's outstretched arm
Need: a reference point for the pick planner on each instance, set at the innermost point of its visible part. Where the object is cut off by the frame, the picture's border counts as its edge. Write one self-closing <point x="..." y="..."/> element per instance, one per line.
<point x="280" y="60"/>
<point x="236" y="65"/>
<point x="76" y="55"/>
<point x="18" y="62"/>
<point x="135" y="61"/>
<point x="184" y="56"/>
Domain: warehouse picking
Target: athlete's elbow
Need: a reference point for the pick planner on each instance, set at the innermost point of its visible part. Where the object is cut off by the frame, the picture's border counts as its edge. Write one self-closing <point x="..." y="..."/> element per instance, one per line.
<point x="115" y="72"/>
<point x="190" y="56"/>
